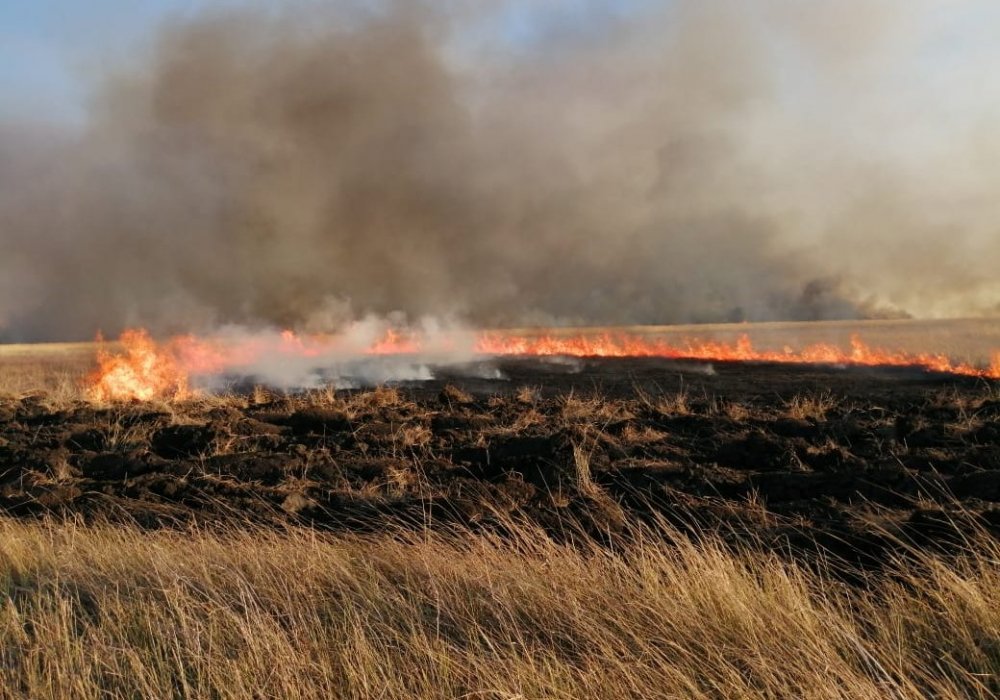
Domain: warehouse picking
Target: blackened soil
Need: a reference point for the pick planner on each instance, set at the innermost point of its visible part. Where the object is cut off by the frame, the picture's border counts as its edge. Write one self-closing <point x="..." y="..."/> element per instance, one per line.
<point x="853" y="462"/>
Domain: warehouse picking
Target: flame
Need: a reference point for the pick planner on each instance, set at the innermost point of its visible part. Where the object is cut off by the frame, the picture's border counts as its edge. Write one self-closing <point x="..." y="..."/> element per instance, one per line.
<point x="630" y="345"/>
<point x="145" y="370"/>
<point x="396" y="343"/>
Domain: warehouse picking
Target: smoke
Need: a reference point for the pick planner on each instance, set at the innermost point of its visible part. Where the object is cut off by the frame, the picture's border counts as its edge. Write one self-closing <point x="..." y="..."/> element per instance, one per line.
<point x="689" y="161"/>
<point x="274" y="359"/>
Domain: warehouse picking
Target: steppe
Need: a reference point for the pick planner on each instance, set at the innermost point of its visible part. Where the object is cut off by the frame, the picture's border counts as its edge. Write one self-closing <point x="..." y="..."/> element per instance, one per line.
<point x="630" y="527"/>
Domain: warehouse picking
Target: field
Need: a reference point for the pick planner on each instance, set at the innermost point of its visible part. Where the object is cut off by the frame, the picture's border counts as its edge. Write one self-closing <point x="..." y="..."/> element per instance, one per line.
<point x="580" y="527"/>
<point x="113" y="612"/>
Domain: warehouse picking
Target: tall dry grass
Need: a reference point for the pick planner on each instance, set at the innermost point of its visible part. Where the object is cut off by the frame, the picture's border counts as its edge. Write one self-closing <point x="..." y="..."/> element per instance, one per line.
<point x="113" y="612"/>
<point x="57" y="370"/>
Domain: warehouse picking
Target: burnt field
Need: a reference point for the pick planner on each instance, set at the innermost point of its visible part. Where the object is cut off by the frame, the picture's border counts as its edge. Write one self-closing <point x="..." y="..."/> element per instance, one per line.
<point x="853" y="462"/>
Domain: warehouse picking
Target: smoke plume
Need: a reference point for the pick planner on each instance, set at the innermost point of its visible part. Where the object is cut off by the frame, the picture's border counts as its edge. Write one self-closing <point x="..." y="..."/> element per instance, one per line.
<point x="693" y="160"/>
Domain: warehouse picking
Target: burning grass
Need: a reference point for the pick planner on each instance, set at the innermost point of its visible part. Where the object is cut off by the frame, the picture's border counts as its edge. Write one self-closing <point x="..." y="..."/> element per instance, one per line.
<point x="114" y="612"/>
<point x="621" y="530"/>
<point x="136" y="367"/>
<point x="145" y="369"/>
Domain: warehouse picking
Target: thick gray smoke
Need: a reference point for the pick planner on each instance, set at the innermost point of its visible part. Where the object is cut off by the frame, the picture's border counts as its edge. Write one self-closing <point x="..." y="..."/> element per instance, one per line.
<point x="703" y="160"/>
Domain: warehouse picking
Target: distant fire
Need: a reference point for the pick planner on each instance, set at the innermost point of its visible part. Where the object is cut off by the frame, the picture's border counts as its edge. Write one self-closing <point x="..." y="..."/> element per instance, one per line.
<point x="144" y="369"/>
<point x="630" y="345"/>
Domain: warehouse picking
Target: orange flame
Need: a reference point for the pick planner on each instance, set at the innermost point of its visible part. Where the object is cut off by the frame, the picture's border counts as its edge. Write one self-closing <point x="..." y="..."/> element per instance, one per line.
<point x="626" y="345"/>
<point x="396" y="343"/>
<point x="146" y="370"/>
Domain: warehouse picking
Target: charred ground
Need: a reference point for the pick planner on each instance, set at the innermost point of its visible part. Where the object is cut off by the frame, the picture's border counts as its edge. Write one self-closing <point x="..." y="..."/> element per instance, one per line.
<point x="854" y="462"/>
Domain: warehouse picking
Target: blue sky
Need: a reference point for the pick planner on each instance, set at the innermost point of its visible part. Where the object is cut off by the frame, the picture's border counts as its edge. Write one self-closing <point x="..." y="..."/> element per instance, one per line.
<point x="47" y="48"/>
<point x="51" y="49"/>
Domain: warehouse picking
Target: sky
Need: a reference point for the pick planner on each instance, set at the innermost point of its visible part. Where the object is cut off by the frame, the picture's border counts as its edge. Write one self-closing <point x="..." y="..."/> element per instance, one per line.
<point x="50" y="50"/>
<point x="735" y="156"/>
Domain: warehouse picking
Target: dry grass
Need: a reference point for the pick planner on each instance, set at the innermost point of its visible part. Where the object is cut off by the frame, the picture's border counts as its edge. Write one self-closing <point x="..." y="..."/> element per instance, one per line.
<point x="810" y="406"/>
<point x="593" y="409"/>
<point x="112" y="612"/>
<point x="736" y="411"/>
<point x="528" y="395"/>
<point x="641" y="435"/>
<point x="582" y="475"/>
<point x="521" y="422"/>
<point x="55" y="370"/>
<point x="118" y="434"/>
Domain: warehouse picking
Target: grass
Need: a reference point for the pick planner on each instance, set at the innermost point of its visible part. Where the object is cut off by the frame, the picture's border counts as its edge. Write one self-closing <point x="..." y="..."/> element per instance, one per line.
<point x="113" y="612"/>
<point x="810" y="407"/>
<point x="56" y="370"/>
<point x="110" y="611"/>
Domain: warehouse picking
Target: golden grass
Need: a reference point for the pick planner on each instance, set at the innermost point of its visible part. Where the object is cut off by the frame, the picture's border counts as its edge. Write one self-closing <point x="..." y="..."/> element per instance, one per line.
<point x="593" y="409"/>
<point x="54" y="370"/>
<point x="48" y="350"/>
<point x="810" y="406"/>
<point x="113" y="612"/>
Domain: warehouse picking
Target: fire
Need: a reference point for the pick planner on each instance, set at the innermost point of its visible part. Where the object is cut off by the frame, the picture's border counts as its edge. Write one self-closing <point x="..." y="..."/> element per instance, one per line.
<point x="630" y="345"/>
<point x="146" y="370"/>
<point x="396" y="343"/>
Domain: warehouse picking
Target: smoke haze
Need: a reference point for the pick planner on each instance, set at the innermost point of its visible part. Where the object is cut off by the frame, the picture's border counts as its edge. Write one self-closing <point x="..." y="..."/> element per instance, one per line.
<point x="272" y="359"/>
<point x="696" y="160"/>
